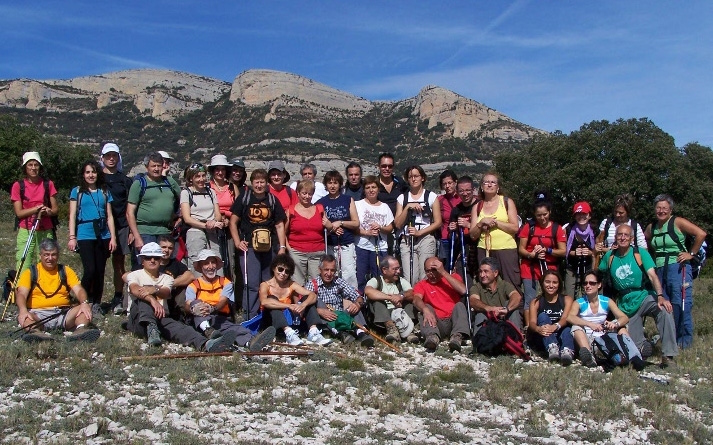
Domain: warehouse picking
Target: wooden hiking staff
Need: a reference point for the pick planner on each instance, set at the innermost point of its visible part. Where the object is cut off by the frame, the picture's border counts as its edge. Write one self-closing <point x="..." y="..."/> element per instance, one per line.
<point x="363" y="328"/>
<point x="598" y="255"/>
<point x="488" y="243"/>
<point x="215" y="354"/>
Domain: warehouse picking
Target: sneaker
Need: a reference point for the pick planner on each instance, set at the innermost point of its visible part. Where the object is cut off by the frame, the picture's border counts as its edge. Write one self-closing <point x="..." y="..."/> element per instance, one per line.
<point x="293" y="338"/>
<point x="315" y="336"/>
<point x="262" y="339"/>
<point x="586" y="357"/>
<point x="668" y="362"/>
<point x="455" y="342"/>
<point x="84" y="334"/>
<point x="153" y="334"/>
<point x="655" y="339"/>
<point x="116" y="304"/>
<point x="553" y="352"/>
<point x="348" y="337"/>
<point x="392" y="334"/>
<point x="222" y="343"/>
<point x="37" y="336"/>
<point x="647" y="349"/>
<point x="97" y="311"/>
<point x="431" y="342"/>
<point x="364" y="340"/>
<point x="413" y="338"/>
<point x="566" y="356"/>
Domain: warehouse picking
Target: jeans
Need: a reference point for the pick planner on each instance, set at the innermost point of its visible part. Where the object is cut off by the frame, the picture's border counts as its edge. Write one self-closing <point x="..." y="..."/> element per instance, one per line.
<point x="366" y="265"/>
<point x="562" y="338"/>
<point x="677" y="281"/>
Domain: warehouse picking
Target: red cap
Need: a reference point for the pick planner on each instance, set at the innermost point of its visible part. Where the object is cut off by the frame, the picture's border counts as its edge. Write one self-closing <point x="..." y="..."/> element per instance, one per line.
<point x="582" y="207"/>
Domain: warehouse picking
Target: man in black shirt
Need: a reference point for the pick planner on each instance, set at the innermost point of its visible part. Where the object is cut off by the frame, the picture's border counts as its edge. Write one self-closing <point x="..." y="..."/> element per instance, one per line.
<point x="460" y="221"/>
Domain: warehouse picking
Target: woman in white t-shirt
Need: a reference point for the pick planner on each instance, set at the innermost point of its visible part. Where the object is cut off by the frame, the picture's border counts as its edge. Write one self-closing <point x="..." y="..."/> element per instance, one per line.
<point x="200" y="211"/>
<point x="418" y="216"/>
<point x="375" y="222"/>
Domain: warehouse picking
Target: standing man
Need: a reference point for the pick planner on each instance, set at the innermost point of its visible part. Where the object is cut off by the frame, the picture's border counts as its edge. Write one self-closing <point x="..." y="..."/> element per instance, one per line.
<point x="438" y="298"/>
<point x="118" y="184"/>
<point x="460" y="221"/>
<point x="309" y="173"/>
<point x="335" y="295"/>
<point x="257" y="226"/>
<point x="390" y="188"/>
<point x="630" y="268"/>
<point x="493" y="294"/>
<point x="388" y="292"/>
<point x="355" y="186"/>
<point x="152" y="204"/>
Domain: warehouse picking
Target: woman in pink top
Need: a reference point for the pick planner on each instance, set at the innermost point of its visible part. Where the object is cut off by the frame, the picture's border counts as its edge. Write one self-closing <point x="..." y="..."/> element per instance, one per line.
<point x="225" y="193"/>
<point x="305" y="233"/>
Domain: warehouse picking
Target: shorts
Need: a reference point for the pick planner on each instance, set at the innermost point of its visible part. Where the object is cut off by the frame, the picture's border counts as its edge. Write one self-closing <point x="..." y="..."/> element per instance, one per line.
<point x="122" y="241"/>
<point x="56" y="323"/>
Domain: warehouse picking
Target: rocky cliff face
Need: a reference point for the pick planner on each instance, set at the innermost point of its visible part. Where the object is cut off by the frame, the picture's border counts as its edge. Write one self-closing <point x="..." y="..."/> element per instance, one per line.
<point x="160" y="93"/>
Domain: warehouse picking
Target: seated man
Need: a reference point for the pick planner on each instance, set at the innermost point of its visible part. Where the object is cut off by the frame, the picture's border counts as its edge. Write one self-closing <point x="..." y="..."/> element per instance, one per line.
<point x="493" y="294"/>
<point x="335" y="295"/>
<point x="43" y="300"/>
<point x="209" y="297"/>
<point x="148" y="314"/>
<point x="386" y="293"/>
<point x="175" y="269"/>
<point x="634" y="278"/>
<point x="438" y="298"/>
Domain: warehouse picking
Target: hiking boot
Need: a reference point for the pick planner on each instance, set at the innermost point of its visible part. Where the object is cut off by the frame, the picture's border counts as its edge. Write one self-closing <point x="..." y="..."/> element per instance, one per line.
<point x="97" y="311"/>
<point x="566" y="356"/>
<point x="84" y="334"/>
<point x="293" y="338"/>
<point x="314" y="336"/>
<point x="647" y="349"/>
<point x="222" y="343"/>
<point x="348" y="337"/>
<point x="431" y="342"/>
<point x="553" y="352"/>
<point x="258" y="342"/>
<point x="153" y="335"/>
<point x="37" y="336"/>
<point x="413" y="338"/>
<point x="116" y="304"/>
<point x="211" y="333"/>
<point x="392" y="334"/>
<point x="668" y="362"/>
<point x="455" y="342"/>
<point x="586" y="357"/>
<point x="365" y="340"/>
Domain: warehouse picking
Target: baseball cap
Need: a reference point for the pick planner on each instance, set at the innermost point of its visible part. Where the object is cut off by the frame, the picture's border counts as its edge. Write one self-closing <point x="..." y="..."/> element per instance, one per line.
<point x="165" y="155"/>
<point x="110" y="147"/>
<point x="582" y="207"/>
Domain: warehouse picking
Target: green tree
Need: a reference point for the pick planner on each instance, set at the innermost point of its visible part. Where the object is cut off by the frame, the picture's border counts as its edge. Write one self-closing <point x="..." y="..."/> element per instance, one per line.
<point x="603" y="159"/>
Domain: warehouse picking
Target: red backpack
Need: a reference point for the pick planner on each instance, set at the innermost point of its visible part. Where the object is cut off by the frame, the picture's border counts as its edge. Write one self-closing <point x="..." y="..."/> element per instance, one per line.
<point x="497" y="336"/>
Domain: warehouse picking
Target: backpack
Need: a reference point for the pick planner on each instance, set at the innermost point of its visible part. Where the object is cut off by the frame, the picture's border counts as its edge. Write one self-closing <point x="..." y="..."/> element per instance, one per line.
<point x="634" y="228"/>
<point x="497" y="336"/>
<point x="426" y="206"/>
<point x="191" y="202"/>
<point x="62" y="281"/>
<point x="141" y="177"/>
<point x="612" y="350"/>
<point x="8" y="283"/>
<point x="47" y="203"/>
<point x="699" y="259"/>
<point x="380" y="284"/>
<point x="479" y="205"/>
<point x="98" y="224"/>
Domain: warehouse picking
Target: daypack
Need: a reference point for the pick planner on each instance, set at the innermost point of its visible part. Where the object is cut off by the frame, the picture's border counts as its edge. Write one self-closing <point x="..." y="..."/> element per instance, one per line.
<point x="207" y="193"/>
<point x="7" y="284"/>
<point x="612" y="350"/>
<point x="141" y="177"/>
<point x="426" y="212"/>
<point x="62" y="281"/>
<point x="699" y="259"/>
<point x="380" y="284"/>
<point x="497" y="336"/>
<point x="46" y="201"/>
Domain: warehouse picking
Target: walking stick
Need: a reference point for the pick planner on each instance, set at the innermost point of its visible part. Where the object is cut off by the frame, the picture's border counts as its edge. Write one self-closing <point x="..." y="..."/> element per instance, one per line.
<point x="464" y="261"/>
<point x="325" y="237"/>
<point x="683" y="289"/>
<point x="225" y="254"/>
<point x="363" y="328"/>
<point x="339" y="256"/>
<point x="451" y="260"/>
<point x="488" y="243"/>
<point x="246" y="292"/>
<point x="411" y="240"/>
<point x="39" y="322"/>
<point x="11" y="297"/>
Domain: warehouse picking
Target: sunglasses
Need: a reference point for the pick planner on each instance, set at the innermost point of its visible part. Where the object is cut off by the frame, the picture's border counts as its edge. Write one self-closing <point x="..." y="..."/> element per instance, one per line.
<point x="152" y="258"/>
<point x="387" y="166"/>
<point x="590" y="283"/>
<point x="197" y="166"/>
<point x="282" y="269"/>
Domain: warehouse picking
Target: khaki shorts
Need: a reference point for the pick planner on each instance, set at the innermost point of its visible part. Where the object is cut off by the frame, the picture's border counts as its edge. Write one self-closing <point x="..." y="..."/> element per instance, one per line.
<point x="54" y="323"/>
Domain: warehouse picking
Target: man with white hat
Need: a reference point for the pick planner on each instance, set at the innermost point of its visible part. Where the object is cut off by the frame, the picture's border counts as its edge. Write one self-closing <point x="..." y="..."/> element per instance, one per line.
<point x="208" y="300"/>
<point x="167" y="160"/>
<point x="118" y="184"/>
<point x="33" y="198"/>
<point x="148" y="315"/>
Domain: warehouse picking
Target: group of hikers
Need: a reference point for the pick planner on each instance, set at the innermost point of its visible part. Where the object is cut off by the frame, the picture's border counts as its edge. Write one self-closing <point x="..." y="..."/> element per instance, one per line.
<point x="342" y="259"/>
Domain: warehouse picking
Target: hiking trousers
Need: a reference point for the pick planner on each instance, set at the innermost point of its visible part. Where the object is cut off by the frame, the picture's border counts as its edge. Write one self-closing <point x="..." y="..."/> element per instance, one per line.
<point x="141" y="314"/>
<point x="457" y="323"/>
<point x="664" y="323"/>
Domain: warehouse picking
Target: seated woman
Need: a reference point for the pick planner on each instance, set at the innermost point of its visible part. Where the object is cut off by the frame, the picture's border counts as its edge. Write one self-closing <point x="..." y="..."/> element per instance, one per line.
<point x="281" y="292"/>
<point x="588" y="317"/>
<point x="548" y="316"/>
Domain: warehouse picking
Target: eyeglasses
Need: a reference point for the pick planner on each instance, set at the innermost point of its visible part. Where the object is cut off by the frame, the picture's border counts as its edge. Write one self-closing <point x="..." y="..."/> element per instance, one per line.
<point x="590" y="283"/>
<point x="152" y="258"/>
<point x="387" y="166"/>
<point x="490" y="182"/>
<point x="465" y="191"/>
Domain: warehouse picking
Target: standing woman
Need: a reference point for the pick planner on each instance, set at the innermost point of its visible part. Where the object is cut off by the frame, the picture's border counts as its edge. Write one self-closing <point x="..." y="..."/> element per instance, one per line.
<point x="548" y="319"/>
<point x="375" y="222"/>
<point x="448" y="200"/>
<point x="200" y="211"/>
<point x="623" y="205"/>
<point x="225" y="194"/>
<point x="495" y="217"/>
<point x="305" y="233"/>
<point x="673" y="263"/>
<point x="418" y="215"/>
<point x="91" y="229"/>
<point x="542" y="245"/>
<point x="341" y="222"/>
<point x="33" y="197"/>
<point x="580" y="249"/>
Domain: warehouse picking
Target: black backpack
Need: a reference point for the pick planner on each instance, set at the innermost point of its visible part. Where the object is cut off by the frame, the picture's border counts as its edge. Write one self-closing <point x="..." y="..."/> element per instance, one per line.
<point x="497" y="336"/>
<point x="62" y="281"/>
<point x="426" y="206"/>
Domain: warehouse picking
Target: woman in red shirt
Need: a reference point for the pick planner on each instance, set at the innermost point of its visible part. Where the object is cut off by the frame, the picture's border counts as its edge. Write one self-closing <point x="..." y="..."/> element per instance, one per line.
<point x="305" y="233"/>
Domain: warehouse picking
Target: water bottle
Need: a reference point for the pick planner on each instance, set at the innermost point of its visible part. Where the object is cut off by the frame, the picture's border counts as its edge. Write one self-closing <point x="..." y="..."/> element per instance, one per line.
<point x="296" y="318"/>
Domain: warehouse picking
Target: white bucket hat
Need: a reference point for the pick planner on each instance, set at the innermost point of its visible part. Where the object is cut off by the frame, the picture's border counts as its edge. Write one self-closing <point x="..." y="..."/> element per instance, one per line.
<point x="219" y="161"/>
<point x="151" y="249"/>
<point x="204" y="255"/>
<point x="30" y="156"/>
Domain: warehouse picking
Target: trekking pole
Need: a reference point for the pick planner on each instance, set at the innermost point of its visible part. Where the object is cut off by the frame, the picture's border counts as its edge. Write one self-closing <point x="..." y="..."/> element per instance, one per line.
<point x="225" y="253"/>
<point x="246" y="292"/>
<point x="411" y="241"/>
<point x="464" y="260"/>
<point x="683" y="288"/>
<point x="216" y="354"/>
<point x="451" y="260"/>
<point x="325" y="237"/>
<point x="39" y="322"/>
<point x="363" y="328"/>
<point x="11" y="296"/>
<point x="339" y="256"/>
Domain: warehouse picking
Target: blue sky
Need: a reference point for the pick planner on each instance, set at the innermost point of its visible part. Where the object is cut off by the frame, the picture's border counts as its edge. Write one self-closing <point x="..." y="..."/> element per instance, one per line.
<point x="552" y="65"/>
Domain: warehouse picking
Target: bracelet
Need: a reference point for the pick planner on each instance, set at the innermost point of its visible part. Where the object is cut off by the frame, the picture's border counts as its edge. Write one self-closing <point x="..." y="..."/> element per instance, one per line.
<point x="558" y="326"/>
<point x="283" y="247"/>
<point x="72" y="237"/>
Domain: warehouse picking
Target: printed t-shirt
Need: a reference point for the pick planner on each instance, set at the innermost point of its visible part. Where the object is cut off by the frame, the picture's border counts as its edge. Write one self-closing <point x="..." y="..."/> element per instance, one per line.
<point x="50" y="282"/>
<point x="441" y="295"/>
<point x="628" y="278"/>
<point x="380" y="214"/>
<point x="35" y="196"/>
<point x="337" y="209"/>
<point x="258" y="213"/>
<point x="91" y="206"/>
